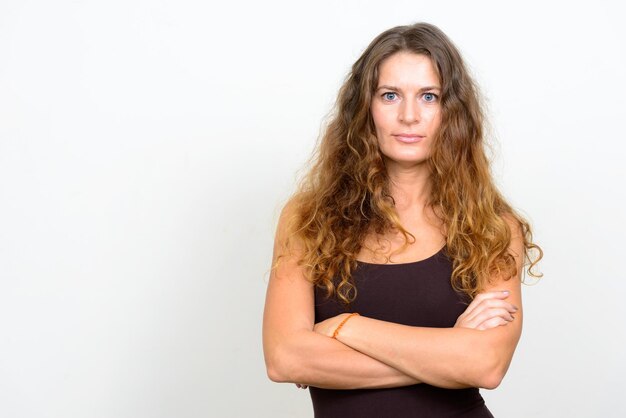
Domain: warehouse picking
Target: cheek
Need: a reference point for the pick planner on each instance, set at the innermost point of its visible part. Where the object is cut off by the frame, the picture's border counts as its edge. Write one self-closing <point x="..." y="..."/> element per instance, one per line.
<point x="376" y="118"/>
<point x="380" y="119"/>
<point x="435" y="120"/>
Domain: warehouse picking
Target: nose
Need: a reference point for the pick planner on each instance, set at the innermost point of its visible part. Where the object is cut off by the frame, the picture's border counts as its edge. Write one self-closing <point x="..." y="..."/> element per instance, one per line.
<point x="409" y="112"/>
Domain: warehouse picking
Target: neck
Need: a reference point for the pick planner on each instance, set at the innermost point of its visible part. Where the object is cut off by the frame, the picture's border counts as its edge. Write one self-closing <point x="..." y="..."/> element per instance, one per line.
<point x="409" y="186"/>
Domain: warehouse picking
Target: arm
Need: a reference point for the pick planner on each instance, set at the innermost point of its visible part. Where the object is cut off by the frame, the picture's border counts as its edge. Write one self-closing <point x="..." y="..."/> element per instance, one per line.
<point x="295" y="353"/>
<point x="315" y="360"/>
<point x="444" y="357"/>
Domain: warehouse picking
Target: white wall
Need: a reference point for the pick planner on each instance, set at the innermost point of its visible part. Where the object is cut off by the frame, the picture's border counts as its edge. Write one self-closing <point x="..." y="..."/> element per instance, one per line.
<point x="146" y="147"/>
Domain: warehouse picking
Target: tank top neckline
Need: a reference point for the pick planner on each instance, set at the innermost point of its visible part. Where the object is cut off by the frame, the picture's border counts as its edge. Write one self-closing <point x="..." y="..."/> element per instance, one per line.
<point x="409" y="263"/>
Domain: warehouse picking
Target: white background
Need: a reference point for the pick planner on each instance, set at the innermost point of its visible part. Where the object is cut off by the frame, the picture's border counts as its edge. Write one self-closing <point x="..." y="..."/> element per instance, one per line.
<point x="146" y="148"/>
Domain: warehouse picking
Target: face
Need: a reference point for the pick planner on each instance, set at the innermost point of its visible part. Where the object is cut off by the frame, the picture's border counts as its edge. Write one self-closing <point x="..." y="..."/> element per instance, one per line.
<point x="406" y="108"/>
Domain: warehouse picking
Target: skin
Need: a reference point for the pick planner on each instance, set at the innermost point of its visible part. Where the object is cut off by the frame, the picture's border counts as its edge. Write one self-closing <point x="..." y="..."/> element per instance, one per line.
<point x="407" y="101"/>
<point x="370" y="353"/>
<point x="404" y="102"/>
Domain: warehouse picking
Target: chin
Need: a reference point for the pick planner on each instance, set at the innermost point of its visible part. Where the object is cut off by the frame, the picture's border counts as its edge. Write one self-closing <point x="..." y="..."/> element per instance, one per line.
<point x="408" y="162"/>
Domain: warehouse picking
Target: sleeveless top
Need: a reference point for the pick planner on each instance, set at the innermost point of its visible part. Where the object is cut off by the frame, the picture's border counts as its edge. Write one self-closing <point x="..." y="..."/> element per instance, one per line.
<point x="417" y="294"/>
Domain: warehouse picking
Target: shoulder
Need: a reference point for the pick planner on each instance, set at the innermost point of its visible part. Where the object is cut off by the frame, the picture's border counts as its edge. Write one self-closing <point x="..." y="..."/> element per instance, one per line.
<point x="516" y="243"/>
<point x="288" y="215"/>
<point x="287" y="225"/>
<point x="515" y="226"/>
<point x="289" y="209"/>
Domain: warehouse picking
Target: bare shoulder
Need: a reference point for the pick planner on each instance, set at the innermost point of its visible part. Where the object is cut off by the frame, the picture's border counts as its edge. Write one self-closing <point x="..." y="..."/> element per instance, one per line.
<point x="504" y="339"/>
<point x="501" y="282"/>
<point x="516" y="246"/>
<point x="289" y="298"/>
<point x="288" y="213"/>
<point x="514" y="224"/>
<point x="285" y="242"/>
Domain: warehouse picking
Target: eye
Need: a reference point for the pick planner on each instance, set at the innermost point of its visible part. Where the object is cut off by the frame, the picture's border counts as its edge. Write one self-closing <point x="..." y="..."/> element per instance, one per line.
<point x="430" y="97"/>
<point x="387" y="94"/>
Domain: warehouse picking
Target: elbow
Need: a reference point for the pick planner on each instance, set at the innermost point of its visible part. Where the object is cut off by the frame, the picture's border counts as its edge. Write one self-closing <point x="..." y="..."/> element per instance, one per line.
<point x="273" y="368"/>
<point x="491" y="380"/>
<point x="273" y="374"/>
<point x="277" y="364"/>
<point x="493" y="373"/>
<point x="285" y="361"/>
<point x="493" y="360"/>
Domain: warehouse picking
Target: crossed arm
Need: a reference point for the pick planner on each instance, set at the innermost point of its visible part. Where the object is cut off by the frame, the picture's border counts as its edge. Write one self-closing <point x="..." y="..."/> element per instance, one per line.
<point x="445" y="357"/>
<point x="369" y="353"/>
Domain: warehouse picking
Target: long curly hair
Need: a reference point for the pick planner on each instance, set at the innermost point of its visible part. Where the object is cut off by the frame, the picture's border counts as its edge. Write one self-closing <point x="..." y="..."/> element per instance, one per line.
<point x="345" y="196"/>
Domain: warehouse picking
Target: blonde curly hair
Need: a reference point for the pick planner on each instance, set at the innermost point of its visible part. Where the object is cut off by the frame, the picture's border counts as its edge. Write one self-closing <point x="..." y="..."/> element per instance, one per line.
<point x="345" y="194"/>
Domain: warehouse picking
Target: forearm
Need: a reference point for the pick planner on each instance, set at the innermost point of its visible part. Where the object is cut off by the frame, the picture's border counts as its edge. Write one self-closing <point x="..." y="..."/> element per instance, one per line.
<point x="451" y="358"/>
<point x="317" y="360"/>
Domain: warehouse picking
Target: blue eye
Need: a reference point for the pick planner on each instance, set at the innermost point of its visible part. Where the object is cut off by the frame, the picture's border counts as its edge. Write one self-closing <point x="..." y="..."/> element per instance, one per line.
<point x="434" y="97"/>
<point x="386" y="95"/>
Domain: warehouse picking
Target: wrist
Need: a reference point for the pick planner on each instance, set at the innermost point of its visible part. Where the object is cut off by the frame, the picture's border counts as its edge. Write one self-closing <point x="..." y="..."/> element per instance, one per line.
<point x="344" y="319"/>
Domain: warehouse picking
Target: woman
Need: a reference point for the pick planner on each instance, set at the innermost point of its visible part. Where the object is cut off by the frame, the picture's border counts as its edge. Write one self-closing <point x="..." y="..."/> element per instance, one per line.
<point x="395" y="289"/>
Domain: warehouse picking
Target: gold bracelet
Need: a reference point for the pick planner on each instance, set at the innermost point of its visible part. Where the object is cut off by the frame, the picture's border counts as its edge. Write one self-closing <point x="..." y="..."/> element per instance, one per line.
<point x="341" y="325"/>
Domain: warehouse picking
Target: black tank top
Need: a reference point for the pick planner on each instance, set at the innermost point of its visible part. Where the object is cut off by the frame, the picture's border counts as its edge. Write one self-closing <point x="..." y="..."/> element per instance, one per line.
<point x="416" y="294"/>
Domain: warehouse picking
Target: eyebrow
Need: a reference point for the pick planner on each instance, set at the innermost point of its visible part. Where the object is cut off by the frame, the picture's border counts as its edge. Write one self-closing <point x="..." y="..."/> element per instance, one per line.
<point x="399" y="89"/>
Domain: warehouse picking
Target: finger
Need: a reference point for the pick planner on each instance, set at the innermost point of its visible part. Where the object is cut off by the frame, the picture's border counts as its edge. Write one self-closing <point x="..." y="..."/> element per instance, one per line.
<point x="491" y="304"/>
<point x="492" y="313"/>
<point x="500" y="294"/>
<point x="492" y="323"/>
<point x="489" y="309"/>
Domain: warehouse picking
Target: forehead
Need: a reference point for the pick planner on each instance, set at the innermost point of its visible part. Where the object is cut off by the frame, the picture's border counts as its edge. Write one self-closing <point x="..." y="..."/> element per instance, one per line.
<point x="407" y="70"/>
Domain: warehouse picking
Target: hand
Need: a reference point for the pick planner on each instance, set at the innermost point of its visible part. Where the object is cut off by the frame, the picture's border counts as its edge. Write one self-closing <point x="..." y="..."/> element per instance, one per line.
<point x="487" y="310"/>
<point x="328" y="326"/>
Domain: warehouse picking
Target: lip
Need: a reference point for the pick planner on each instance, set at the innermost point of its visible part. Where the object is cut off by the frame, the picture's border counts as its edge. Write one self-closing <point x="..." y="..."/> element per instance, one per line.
<point x="409" y="138"/>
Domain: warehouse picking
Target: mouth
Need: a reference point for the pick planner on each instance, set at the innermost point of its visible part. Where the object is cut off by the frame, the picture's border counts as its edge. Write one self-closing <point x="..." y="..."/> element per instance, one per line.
<point x="408" y="138"/>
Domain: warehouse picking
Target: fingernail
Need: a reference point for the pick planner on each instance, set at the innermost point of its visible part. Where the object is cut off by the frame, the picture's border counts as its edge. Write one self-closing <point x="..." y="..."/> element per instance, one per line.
<point x="506" y="292"/>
